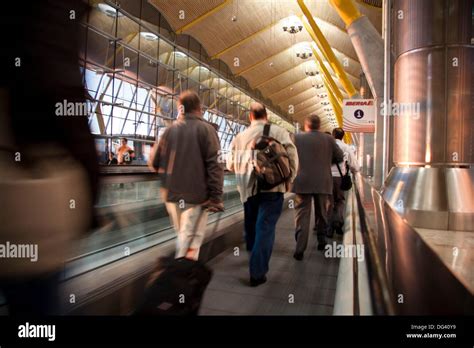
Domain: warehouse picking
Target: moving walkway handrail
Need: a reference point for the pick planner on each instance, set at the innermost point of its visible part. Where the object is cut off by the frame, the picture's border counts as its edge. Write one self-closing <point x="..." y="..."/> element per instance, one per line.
<point x="355" y="268"/>
<point x="381" y="294"/>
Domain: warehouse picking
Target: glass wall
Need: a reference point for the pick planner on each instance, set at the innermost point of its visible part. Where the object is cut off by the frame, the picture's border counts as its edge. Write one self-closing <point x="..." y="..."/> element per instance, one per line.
<point x="133" y="74"/>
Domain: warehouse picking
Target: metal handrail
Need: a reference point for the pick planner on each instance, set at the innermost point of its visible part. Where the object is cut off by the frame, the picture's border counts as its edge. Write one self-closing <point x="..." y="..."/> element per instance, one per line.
<point x="355" y="267"/>
<point x="381" y="293"/>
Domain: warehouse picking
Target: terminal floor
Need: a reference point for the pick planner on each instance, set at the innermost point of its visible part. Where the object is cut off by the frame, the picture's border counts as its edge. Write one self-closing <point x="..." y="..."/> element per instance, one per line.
<point x="293" y="287"/>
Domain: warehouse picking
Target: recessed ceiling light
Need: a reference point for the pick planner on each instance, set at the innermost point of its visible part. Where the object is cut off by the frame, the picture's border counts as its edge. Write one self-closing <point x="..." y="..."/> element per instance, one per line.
<point x="149" y="36"/>
<point x="179" y="54"/>
<point x="109" y="10"/>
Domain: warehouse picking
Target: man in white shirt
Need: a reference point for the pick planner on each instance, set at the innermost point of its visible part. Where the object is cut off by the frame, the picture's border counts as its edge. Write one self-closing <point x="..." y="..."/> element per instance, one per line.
<point x="336" y="208"/>
<point x="262" y="208"/>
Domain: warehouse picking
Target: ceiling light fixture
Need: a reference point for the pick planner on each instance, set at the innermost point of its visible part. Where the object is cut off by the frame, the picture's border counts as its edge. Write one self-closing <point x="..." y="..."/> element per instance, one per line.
<point x="310" y="72"/>
<point x="293" y="25"/>
<point x="149" y="36"/>
<point x="109" y="10"/>
<point x="303" y="51"/>
<point x="179" y="54"/>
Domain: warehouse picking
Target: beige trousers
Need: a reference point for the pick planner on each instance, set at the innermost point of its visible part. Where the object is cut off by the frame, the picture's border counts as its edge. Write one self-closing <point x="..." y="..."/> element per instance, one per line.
<point x="190" y="225"/>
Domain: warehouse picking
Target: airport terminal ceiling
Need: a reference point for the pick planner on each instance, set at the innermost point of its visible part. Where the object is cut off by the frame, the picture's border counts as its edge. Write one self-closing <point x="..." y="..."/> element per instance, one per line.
<point x="116" y="202"/>
<point x="249" y="36"/>
<point x="251" y="41"/>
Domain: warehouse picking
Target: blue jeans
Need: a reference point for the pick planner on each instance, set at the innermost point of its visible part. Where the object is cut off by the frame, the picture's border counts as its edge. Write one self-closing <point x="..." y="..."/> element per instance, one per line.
<point x="262" y="212"/>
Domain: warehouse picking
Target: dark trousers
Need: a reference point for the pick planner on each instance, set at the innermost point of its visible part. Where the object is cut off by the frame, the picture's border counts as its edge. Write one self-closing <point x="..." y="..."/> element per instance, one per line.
<point x="303" y="218"/>
<point x="32" y="297"/>
<point x="336" y="206"/>
<point x="262" y="212"/>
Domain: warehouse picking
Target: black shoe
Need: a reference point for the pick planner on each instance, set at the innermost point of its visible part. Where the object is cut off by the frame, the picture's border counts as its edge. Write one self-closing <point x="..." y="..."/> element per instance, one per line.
<point x="256" y="282"/>
<point x="339" y="230"/>
<point x="321" y="246"/>
<point x="298" y="256"/>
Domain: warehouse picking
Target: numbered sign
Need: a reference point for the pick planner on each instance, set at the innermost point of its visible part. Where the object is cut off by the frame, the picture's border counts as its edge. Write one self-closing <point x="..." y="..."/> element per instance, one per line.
<point x="359" y="115"/>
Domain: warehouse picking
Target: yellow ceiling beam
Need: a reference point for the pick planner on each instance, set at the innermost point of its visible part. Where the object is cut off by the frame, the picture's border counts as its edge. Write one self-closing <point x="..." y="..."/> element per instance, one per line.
<point x="202" y="17"/>
<point x="328" y="86"/>
<point x="347" y="10"/>
<point x="327" y="74"/>
<point x="318" y="37"/>
<point x="338" y="111"/>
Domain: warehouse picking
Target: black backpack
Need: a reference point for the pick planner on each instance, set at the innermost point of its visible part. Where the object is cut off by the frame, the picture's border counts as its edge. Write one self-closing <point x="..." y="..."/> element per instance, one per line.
<point x="271" y="161"/>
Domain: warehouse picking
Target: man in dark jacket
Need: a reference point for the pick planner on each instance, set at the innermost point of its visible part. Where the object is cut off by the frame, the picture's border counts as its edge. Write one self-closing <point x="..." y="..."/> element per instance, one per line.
<point x="316" y="151"/>
<point x="186" y="157"/>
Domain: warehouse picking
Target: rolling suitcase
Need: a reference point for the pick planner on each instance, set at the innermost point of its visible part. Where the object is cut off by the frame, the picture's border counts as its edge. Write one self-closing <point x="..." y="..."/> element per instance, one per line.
<point x="176" y="286"/>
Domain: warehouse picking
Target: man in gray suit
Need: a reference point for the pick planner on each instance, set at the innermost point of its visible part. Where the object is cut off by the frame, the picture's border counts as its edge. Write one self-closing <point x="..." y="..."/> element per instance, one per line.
<point x="316" y="151"/>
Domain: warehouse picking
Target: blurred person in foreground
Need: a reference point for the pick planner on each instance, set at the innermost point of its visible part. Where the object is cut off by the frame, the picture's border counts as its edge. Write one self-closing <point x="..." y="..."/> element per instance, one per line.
<point x="313" y="183"/>
<point x="337" y="202"/>
<point x="48" y="161"/>
<point x="187" y="159"/>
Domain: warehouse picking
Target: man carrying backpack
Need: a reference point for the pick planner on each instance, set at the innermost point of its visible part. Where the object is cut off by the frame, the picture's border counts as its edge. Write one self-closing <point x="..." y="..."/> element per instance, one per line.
<point x="265" y="161"/>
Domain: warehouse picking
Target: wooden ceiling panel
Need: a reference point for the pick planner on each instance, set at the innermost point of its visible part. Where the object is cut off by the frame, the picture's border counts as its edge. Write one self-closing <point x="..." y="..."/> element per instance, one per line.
<point x="272" y="66"/>
<point x="218" y="31"/>
<point x="298" y="98"/>
<point x="192" y="9"/>
<point x="248" y="36"/>
<point x="316" y="108"/>
<point x="287" y="78"/>
<point x="293" y="89"/>
<point x="261" y="47"/>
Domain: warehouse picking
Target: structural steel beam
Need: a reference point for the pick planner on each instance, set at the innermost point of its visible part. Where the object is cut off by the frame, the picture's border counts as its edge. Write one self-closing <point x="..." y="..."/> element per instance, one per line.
<point x="327" y="74"/>
<point x="202" y="17"/>
<point x="338" y="111"/>
<point x="346" y="10"/>
<point x="326" y="49"/>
